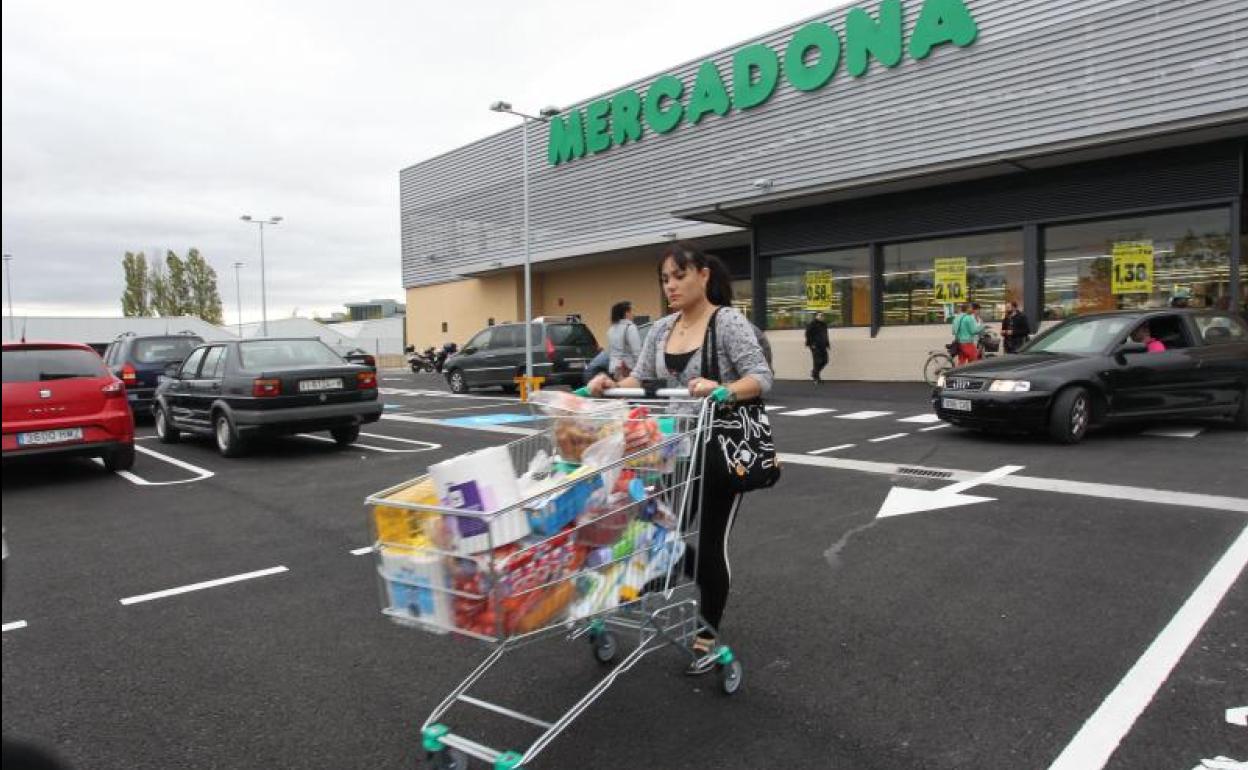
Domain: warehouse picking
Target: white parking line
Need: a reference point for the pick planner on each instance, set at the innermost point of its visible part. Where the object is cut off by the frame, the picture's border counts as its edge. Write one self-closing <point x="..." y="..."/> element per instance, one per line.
<point x="934" y="427"/>
<point x="200" y="473"/>
<point x="200" y="586"/>
<point x="14" y="626"/>
<point x="921" y="418"/>
<point x="772" y="407"/>
<point x="806" y="412"/>
<point x="1173" y="432"/>
<point x="426" y="446"/>
<point x="1099" y="737"/>
<point x="362" y="551"/>
<point x="836" y="448"/>
<point x="487" y="428"/>
<point x="867" y="415"/>
<point x="889" y="437"/>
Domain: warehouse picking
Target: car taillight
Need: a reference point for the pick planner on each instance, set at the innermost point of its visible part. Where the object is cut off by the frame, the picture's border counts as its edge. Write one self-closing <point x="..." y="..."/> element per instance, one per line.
<point x="129" y="375"/>
<point x="261" y="388"/>
<point x="365" y="380"/>
<point x="114" y="389"/>
<point x="550" y="349"/>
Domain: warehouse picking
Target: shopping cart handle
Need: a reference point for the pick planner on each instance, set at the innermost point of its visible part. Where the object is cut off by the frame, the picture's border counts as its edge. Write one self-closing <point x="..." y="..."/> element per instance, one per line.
<point x="641" y="393"/>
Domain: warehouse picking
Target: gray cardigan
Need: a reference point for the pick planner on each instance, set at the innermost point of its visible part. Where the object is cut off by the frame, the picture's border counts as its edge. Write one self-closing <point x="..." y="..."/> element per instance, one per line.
<point x="738" y="351"/>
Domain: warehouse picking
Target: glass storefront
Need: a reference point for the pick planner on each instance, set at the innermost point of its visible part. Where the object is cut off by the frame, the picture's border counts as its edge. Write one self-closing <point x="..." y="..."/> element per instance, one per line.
<point x="836" y="282"/>
<point x="987" y="269"/>
<point x="1180" y="258"/>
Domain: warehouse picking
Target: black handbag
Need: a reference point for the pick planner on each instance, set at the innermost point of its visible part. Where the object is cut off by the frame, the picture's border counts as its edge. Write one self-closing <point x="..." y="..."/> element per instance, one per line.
<point x="739" y="449"/>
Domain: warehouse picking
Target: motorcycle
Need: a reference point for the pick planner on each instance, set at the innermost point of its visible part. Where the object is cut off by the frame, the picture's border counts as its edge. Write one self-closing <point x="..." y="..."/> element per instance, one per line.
<point x="420" y="362"/>
<point x="439" y="359"/>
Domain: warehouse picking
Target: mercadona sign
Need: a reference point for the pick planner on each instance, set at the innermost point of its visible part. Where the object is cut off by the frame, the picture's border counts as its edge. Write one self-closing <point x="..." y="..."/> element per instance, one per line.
<point x="808" y="63"/>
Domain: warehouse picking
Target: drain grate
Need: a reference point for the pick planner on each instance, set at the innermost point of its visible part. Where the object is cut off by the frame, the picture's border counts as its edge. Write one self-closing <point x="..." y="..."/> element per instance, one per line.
<point x="925" y="473"/>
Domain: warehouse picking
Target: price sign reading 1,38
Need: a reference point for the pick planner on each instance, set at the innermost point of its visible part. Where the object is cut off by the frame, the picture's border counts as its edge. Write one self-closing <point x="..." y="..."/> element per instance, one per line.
<point x="949" y="284"/>
<point x="818" y="289"/>
<point x="1132" y="268"/>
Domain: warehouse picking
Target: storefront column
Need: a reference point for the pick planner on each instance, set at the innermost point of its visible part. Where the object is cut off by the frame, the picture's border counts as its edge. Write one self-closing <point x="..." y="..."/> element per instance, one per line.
<point x="1237" y="252"/>
<point x="758" y="282"/>
<point x="1033" y="274"/>
<point x="877" y="287"/>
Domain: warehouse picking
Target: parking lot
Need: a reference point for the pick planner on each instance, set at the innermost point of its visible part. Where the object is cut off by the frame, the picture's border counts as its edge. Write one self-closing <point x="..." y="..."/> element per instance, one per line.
<point x="204" y="612"/>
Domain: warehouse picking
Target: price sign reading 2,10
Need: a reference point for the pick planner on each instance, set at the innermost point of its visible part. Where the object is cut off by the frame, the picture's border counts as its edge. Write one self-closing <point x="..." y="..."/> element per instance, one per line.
<point x="949" y="283"/>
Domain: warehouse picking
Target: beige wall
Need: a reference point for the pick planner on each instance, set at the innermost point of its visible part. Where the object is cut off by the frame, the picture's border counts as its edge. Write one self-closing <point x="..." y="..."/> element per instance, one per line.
<point x="466" y="307"/>
<point x="592" y="290"/>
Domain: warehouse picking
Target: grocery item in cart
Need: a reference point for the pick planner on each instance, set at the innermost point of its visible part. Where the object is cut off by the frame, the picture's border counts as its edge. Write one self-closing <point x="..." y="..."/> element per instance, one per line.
<point x="484" y="480"/>
<point x="403" y="526"/>
<point x="579" y="422"/>
<point x="416" y="583"/>
<point x="548" y="515"/>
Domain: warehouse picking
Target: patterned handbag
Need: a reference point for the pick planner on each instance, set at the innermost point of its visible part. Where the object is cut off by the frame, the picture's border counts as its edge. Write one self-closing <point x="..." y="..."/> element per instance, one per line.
<point x="740" y="451"/>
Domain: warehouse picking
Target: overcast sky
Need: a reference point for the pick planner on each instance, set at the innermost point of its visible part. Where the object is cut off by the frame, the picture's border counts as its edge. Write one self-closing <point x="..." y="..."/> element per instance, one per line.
<point x="155" y="125"/>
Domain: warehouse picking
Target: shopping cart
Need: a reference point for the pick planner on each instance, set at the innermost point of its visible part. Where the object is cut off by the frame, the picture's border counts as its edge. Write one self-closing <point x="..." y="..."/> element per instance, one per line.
<point x="606" y="557"/>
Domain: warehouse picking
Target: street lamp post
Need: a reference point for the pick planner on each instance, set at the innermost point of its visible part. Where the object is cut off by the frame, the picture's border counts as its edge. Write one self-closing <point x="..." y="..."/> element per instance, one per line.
<point x="8" y="269"/>
<point x="264" y="306"/>
<point x="238" y="297"/>
<point x="543" y="116"/>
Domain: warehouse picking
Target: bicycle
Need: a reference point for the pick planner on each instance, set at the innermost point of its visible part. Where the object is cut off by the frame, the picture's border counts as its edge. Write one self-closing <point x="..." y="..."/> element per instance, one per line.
<point x="941" y="361"/>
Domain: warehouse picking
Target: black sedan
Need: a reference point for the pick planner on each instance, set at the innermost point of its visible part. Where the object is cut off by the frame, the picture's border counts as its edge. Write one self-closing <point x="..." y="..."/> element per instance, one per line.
<point x="233" y="390"/>
<point x="1107" y="367"/>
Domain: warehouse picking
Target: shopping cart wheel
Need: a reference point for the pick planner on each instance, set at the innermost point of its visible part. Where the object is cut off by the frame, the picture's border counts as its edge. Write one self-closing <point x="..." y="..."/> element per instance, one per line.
<point x="605" y="646"/>
<point x="730" y="676"/>
<point x="447" y="759"/>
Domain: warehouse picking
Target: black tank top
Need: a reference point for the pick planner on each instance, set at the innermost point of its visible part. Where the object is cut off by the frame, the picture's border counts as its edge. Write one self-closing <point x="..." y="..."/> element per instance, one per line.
<point x="676" y="362"/>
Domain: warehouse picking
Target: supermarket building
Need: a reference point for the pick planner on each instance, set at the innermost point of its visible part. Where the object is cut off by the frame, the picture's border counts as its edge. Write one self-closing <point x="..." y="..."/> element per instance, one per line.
<point x="878" y="162"/>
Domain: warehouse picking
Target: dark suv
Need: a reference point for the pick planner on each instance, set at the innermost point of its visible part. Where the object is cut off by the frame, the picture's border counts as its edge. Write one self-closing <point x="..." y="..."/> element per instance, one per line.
<point x="139" y="361"/>
<point x="495" y="355"/>
<point x="232" y="390"/>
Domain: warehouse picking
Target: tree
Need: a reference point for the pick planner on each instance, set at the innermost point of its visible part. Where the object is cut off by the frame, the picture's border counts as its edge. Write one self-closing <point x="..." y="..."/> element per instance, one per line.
<point x="180" y="301"/>
<point x="134" y="302"/>
<point x="161" y="300"/>
<point x="205" y="298"/>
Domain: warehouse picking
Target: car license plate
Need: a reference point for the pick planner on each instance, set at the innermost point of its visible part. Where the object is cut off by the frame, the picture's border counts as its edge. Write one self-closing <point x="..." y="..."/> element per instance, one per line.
<point x="311" y="386"/>
<point x="576" y="364"/>
<point x="43" y="437"/>
<point x="956" y="404"/>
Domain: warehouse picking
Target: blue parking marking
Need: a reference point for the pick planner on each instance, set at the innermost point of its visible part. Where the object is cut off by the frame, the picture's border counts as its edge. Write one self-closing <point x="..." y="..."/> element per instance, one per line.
<point x="488" y="419"/>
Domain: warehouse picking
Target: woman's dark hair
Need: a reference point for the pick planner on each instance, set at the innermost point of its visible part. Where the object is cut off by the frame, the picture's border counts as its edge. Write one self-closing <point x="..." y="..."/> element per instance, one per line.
<point x="718" y="286"/>
<point x="619" y="309"/>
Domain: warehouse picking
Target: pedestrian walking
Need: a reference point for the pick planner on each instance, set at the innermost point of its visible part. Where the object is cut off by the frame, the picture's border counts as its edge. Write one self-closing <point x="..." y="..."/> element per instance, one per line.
<point x="966" y="329"/>
<point x="817" y="342"/>
<point x="698" y="288"/>
<point x="623" y="341"/>
<point x="1015" y="328"/>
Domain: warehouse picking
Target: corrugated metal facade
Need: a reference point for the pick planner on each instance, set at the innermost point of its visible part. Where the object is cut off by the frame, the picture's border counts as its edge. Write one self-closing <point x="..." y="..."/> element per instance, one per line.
<point x="1042" y="74"/>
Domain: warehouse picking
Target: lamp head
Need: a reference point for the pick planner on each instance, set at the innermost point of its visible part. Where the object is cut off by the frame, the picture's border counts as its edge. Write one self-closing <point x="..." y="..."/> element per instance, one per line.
<point x="549" y="112"/>
<point x="246" y="217"/>
<point x="274" y="220"/>
<point x="501" y="106"/>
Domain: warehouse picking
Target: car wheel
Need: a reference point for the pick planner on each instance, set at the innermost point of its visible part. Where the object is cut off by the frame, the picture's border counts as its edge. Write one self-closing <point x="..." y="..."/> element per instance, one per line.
<point x="164" y="429"/>
<point x="1241" y="417"/>
<point x="1071" y="415"/>
<point x="345" y="436"/>
<point x="457" y="382"/>
<point x="120" y="459"/>
<point x="229" y="443"/>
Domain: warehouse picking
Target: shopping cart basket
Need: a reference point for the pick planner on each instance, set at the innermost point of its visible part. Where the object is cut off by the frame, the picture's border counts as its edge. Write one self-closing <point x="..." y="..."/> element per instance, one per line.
<point x="593" y="549"/>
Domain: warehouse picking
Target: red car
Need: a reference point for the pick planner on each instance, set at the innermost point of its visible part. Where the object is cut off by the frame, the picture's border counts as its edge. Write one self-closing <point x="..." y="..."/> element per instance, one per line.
<point x="59" y="399"/>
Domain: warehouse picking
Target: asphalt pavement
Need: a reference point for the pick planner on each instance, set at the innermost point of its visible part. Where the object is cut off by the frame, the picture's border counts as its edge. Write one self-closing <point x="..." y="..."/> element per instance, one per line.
<point x="1089" y="613"/>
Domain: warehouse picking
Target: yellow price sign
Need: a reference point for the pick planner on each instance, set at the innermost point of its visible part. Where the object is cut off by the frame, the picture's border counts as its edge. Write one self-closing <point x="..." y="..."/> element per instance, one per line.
<point x="1132" y="270"/>
<point x="949" y="284"/>
<point x="818" y="289"/>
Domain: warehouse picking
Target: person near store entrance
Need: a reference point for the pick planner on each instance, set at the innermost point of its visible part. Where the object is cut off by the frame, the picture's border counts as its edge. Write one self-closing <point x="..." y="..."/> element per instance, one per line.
<point x="1015" y="328"/>
<point x="698" y="288"/>
<point x="623" y="341"/>
<point x="817" y="342"/>
<point x="966" y="331"/>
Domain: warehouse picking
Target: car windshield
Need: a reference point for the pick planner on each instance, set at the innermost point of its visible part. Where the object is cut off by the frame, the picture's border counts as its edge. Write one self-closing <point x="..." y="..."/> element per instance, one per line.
<point x="570" y="335"/>
<point x="1082" y="335"/>
<point x="41" y="364"/>
<point x="163" y="350"/>
<point x="266" y="354"/>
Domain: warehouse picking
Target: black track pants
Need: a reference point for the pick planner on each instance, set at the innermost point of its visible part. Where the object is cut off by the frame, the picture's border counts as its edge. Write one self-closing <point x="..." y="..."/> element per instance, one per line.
<point x="714" y="574"/>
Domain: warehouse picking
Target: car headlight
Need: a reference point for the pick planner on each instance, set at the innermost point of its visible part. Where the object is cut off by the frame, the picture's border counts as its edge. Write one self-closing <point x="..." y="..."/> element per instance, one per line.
<point x="1010" y="386"/>
<point x="940" y="380"/>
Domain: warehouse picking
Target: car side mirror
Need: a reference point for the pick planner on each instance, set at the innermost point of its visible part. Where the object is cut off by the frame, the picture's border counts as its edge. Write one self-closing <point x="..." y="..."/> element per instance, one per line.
<point x="171" y="371"/>
<point x="1131" y="347"/>
<point x="468" y="351"/>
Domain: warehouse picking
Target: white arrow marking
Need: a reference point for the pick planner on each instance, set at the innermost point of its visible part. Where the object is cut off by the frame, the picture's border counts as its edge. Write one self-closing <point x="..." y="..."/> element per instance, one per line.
<point x="1238" y="716"/>
<point x="903" y="500"/>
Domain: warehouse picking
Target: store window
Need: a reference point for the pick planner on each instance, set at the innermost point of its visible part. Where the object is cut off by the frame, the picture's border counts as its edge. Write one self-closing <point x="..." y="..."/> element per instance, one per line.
<point x="924" y="281"/>
<point x="836" y="282"/>
<point x="1180" y="259"/>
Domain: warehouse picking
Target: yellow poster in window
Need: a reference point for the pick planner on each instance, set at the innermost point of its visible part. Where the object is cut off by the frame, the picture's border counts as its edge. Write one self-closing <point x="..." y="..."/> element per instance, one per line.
<point x="949" y="284"/>
<point x="1132" y="271"/>
<point x="818" y="289"/>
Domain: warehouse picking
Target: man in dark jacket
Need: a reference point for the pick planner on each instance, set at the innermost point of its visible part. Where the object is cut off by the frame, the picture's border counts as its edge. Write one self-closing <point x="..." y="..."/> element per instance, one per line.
<point x="817" y="341"/>
<point x="1015" y="328"/>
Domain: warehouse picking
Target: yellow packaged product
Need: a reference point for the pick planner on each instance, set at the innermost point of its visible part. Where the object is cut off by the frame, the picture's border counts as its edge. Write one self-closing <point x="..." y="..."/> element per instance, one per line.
<point x="403" y="526"/>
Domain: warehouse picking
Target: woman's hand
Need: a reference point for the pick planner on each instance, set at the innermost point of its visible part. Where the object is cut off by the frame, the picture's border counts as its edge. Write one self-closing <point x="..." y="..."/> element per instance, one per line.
<point x="600" y="384"/>
<point x="701" y="387"/>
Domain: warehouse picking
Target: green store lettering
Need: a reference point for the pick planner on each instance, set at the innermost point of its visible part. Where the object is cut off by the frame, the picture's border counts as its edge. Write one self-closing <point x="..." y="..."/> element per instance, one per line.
<point x="808" y="63"/>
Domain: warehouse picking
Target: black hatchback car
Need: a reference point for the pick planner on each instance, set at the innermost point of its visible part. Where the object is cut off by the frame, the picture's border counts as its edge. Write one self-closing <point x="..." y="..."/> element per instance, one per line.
<point x="138" y="361"/>
<point x="1098" y="368"/>
<point x="562" y="347"/>
<point x="236" y="389"/>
